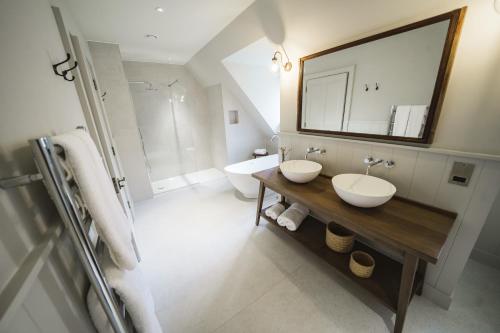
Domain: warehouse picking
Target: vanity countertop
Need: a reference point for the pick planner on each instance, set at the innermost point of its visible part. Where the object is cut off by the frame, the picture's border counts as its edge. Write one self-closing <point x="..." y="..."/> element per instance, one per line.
<point x="400" y="223"/>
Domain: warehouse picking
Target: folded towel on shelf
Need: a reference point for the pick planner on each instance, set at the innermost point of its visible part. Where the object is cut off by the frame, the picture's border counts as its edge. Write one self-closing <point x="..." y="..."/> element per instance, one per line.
<point x="260" y="151"/>
<point x="99" y="196"/>
<point x="293" y="217"/>
<point x="275" y="210"/>
<point x="134" y="292"/>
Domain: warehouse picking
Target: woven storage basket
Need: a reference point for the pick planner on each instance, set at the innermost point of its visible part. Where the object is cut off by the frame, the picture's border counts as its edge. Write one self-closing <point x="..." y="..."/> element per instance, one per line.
<point x="361" y="264"/>
<point x="339" y="239"/>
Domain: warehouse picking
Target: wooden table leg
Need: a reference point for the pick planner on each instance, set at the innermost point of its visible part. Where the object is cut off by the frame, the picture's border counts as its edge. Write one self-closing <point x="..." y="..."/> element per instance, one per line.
<point x="260" y="200"/>
<point x="405" y="289"/>
<point x="422" y="268"/>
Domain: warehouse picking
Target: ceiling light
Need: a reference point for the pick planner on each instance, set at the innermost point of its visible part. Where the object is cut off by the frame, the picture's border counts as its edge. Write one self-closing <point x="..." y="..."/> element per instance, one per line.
<point x="159" y="9"/>
<point x="152" y="36"/>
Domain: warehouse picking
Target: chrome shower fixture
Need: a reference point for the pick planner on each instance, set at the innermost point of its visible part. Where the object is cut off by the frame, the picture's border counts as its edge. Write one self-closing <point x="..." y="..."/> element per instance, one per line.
<point x="149" y="85"/>
<point x="173" y="82"/>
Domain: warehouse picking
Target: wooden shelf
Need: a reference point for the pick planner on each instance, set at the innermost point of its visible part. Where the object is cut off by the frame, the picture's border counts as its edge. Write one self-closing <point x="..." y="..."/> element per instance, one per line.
<point x="385" y="281"/>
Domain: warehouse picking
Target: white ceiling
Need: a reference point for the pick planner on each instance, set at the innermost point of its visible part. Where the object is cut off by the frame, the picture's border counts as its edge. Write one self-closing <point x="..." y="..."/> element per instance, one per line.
<point x="183" y="28"/>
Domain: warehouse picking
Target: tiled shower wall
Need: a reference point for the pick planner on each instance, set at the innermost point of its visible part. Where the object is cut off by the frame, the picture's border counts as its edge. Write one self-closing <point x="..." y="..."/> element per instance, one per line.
<point x="422" y="176"/>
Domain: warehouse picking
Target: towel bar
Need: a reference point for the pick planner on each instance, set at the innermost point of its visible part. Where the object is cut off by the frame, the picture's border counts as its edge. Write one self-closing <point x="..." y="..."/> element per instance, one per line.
<point x="11" y="182"/>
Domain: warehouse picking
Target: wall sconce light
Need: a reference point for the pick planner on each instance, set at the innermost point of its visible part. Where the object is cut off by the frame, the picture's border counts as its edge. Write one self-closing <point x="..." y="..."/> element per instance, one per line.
<point x="278" y="60"/>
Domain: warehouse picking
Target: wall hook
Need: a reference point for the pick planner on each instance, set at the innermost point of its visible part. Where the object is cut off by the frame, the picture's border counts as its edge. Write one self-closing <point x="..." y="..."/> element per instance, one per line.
<point x="66" y="71"/>
<point x="376" y="86"/>
<point x="54" y="67"/>
<point x="366" y="87"/>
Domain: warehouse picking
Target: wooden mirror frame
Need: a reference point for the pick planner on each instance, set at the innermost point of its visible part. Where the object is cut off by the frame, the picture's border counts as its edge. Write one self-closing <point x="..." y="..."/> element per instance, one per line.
<point x="456" y="20"/>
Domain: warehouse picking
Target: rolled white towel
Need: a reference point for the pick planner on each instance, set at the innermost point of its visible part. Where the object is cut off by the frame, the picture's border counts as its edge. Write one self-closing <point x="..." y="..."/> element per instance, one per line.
<point x="260" y="151"/>
<point x="292" y="218"/>
<point x="275" y="210"/>
<point x="304" y="210"/>
<point x="295" y="219"/>
<point x="282" y="219"/>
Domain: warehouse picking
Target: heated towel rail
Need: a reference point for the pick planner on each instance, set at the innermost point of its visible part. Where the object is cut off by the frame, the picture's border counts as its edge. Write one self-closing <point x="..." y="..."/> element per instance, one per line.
<point x="64" y="191"/>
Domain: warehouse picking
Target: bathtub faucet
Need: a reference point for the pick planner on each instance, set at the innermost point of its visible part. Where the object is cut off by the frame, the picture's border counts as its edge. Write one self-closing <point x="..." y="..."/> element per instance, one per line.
<point x="311" y="150"/>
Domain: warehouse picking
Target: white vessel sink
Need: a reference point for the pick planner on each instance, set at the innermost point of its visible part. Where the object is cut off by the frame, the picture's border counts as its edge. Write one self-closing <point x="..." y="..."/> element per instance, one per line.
<point x="300" y="171"/>
<point x="362" y="190"/>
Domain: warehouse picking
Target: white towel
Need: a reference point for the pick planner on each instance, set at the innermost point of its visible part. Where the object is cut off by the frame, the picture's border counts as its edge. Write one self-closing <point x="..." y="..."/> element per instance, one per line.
<point x="401" y="120"/>
<point x="135" y="294"/>
<point x="99" y="196"/>
<point x="293" y="217"/>
<point x="275" y="210"/>
<point x="416" y="120"/>
<point x="300" y="207"/>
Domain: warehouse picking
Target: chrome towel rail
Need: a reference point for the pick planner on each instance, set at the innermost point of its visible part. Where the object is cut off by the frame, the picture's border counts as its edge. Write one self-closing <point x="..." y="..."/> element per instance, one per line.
<point x="11" y="182"/>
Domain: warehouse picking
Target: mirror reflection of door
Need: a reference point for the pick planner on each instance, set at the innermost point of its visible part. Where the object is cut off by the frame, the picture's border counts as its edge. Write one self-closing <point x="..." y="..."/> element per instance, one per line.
<point x="327" y="99"/>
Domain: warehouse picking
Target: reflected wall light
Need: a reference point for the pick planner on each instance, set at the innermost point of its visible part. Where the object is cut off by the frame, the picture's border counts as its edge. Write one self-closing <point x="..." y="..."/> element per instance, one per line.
<point x="277" y="60"/>
<point x="496" y="4"/>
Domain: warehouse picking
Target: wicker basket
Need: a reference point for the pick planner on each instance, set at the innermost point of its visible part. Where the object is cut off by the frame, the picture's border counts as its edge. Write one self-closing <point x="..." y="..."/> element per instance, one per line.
<point x="339" y="239"/>
<point x="361" y="264"/>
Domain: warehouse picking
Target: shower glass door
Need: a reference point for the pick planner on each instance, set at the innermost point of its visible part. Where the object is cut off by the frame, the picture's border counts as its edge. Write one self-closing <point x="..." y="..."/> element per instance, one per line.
<point x="166" y="133"/>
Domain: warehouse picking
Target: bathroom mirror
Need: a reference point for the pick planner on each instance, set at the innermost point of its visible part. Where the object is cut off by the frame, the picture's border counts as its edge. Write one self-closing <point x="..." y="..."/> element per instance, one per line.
<point x="388" y="86"/>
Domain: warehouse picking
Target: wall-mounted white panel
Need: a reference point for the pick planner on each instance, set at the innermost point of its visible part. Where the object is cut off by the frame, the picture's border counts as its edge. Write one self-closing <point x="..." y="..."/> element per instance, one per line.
<point x="428" y="174"/>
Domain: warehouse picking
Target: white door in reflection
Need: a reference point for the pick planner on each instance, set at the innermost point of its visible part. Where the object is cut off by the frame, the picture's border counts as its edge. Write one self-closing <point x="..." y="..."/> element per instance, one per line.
<point x="325" y="101"/>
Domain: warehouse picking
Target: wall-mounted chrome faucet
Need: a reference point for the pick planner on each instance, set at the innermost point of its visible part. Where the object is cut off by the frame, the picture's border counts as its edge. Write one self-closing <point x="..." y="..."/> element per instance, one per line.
<point x="371" y="162"/>
<point x="312" y="150"/>
<point x="284" y="151"/>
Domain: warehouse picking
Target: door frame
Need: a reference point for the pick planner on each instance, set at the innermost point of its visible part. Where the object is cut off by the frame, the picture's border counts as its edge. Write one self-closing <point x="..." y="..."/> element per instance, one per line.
<point x="350" y="70"/>
<point x="94" y="112"/>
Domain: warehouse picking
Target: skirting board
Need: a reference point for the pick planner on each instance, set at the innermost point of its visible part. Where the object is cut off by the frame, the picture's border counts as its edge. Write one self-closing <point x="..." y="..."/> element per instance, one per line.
<point x="485" y="258"/>
<point x="437" y="297"/>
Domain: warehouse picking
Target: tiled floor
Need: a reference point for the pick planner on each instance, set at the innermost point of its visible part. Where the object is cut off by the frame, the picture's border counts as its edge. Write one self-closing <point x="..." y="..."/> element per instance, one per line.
<point x="211" y="270"/>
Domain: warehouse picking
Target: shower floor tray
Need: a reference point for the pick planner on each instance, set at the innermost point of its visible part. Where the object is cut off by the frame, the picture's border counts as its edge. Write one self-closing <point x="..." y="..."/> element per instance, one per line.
<point x="173" y="183"/>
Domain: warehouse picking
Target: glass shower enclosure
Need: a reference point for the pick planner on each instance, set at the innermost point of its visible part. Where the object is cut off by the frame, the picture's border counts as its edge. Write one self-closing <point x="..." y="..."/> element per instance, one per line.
<point x="167" y="138"/>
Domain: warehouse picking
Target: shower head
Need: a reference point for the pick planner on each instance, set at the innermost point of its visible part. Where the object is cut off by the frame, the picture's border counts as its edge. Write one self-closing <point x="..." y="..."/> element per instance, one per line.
<point x="149" y="85"/>
<point x="172" y="83"/>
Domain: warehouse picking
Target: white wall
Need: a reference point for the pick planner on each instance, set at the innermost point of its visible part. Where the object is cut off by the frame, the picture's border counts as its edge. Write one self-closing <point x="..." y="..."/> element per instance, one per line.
<point x="245" y="136"/>
<point x="261" y="87"/>
<point x="218" y="146"/>
<point x="487" y="248"/>
<point x="120" y="110"/>
<point x="469" y="122"/>
<point x="208" y="68"/>
<point x="175" y="140"/>
<point x="34" y="102"/>
<point x="250" y="68"/>
<point x="231" y="143"/>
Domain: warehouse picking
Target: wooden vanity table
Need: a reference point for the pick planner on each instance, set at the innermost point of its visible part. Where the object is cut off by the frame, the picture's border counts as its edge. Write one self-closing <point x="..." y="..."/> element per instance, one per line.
<point x="415" y="231"/>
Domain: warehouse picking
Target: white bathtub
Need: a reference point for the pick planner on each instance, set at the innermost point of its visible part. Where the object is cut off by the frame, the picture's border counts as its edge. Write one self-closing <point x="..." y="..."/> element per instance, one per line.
<point x="240" y="174"/>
